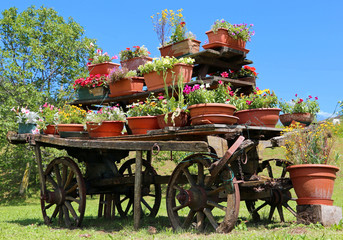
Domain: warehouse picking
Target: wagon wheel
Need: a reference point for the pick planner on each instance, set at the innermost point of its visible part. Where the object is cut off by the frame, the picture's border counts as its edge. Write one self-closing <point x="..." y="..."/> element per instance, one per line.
<point x="193" y="202"/>
<point x="65" y="193"/>
<point x="150" y="193"/>
<point x="280" y="194"/>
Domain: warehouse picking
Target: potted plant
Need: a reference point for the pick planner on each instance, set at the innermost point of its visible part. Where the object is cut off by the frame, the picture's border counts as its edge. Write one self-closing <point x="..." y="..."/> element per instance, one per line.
<point x="246" y="73"/>
<point x="165" y="70"/>
<point x="132" y="58"/>
<point x="70" y="118"/>
<point x="106" y="122"/>
<point x="258" y="108"/>
<point x="299" y="110"/>
<point x="209" y="106"/>
<point x="180" y="42"/>
<point x="92" y="87"/>
<point x="235" y="36"/>
<point x="100" y="62"/>
<point x="124" y="82"/>
<point x="27" y="120"/>
<point x="142" y="116"/>
<point x="310" y="151"/>
<point x="48" y="115"/>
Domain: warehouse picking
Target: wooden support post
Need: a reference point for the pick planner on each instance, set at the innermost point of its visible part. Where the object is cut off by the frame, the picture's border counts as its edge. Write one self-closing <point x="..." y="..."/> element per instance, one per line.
<point x="40" y="168"/>
<point x="149" y="156"/>
<point x="101" y="205"/>
<point x="137" y="196"/>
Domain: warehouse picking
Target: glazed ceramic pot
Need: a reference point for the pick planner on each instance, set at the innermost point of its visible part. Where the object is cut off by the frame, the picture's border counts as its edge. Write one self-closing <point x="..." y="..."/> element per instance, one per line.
<point x="313" y="183"/>
<point x="85" y="93"/>
<point x="264" y="117"/>
<point x="26" y="128"/>
<point x="105" y="129"/>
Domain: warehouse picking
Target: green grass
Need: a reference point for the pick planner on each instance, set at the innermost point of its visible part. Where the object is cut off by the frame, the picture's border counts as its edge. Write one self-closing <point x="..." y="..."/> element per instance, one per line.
<point x="22" y="219"/>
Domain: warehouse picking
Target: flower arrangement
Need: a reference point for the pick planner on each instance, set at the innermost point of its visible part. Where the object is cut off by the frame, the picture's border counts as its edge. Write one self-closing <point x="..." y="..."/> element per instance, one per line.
<point x="105" y="114"/>
<point x="147" y="108"/>
<point x="70" y="114"/>
<point x="48" y="114"/>
<point x="135" y="51"/>
<point x="120" y="73"/>
<point x="237" y="31"/>
<point x="163" y="64"/>
<point x="257" y="99"/>
<point x="98" y="56"/>
<point x="26" y="116"/>
<point x="93" y="81"/>
<point x="310" y="145"/>
<point x="245" y="71"/>
<point x="203" y="94"/>
<point x="299" y="105"/>
<point x="167" y="21"/>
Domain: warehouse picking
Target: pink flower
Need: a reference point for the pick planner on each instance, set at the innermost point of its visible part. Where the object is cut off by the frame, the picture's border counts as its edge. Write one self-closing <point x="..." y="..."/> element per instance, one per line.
<point x="45" y="104"/>
<point x="248" y="102"/>
<point x="296" y="95"/>
<point x="309" y="96"/>
<point x="160" y="97"/>
<point x="220" y="82"/>
<point x="224" y="74"/>
<point x="187" y="89"/>
<point x="316" y="98"/>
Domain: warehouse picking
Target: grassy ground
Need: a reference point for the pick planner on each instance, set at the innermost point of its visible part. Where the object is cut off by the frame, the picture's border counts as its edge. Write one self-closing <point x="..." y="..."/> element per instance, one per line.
<point x="23" y="220"/>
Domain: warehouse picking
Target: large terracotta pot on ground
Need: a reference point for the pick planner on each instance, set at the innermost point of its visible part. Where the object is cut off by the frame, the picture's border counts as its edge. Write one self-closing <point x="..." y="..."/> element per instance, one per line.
<point x="154" y="80"/>
<point x="313" y="183"/>
<point x="142" y="124"/>
<point x="102" y="68"/>
<point x="302" y="118"/>
<point x="264" y="117"/>
<point x="179" y="121"/>
<point x="134" y="63"/>
<point x="182" y="48"/>
<point x="105" y="129"/>
<point x="71" y="127"/>
<point x="126" y="86"/>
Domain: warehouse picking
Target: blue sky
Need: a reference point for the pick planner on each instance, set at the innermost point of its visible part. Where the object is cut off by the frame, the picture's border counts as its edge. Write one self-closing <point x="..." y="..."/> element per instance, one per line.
<point x="296" y="48"/>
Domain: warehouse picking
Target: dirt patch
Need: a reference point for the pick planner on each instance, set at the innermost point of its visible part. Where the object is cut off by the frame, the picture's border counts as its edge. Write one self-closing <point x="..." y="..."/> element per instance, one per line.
<point x="298" y="231"/>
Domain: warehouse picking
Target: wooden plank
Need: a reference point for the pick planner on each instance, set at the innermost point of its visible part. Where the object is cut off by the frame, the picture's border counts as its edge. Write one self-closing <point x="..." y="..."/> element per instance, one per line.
<point x="137" y="194"/>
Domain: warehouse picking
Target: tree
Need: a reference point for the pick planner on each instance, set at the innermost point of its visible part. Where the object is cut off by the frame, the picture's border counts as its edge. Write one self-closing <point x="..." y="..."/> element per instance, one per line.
<point x="41" y="55"/>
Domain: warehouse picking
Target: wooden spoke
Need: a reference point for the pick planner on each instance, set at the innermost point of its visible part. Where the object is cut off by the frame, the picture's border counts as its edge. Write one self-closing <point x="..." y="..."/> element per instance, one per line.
<point x="64" y="175"/>
<point x="54" y="214"/>
<point x="71" y="199"/>
<point x="58" y="175"/>
<point x="216" y="191"/>
<point x="279" y="209"/>
<point x="188" y="219"/>
<point x="146" y="204"/>
<point x="60" y="216"/>
<point x="128" y="206"/>
<point x="214" y="204"/>
<point x="272" y="209"/>
<point x="72" y="189"/>
<point x="70" y="177"/>
<point x="201" y="176"/>
<point x="289" y="209"/>
<point x="124" y="199"/>
<point x="48" y="206"/>
<point x="52" y="181"/>
<point x="66" y="216"/>
<point x="210" y="217"/>
<point x="189" y="177"/>
<point x="176" y="187"/>
<point x="72" y="211"/>
<point x="177" y="208"/>
<point x="200" y="221"/>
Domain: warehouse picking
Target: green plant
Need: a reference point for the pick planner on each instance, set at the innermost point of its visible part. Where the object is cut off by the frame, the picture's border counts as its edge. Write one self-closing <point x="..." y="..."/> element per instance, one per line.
<point x="298" y="105"/>
<point x="105" y="114"/>
<point x="310" y="145"/>
<point x="203" y="94"/>
<point x="170" y="21"/>
<point x="93" y="81"/>
<point x="245" y="71"/>
<point x="257" y="99"/>
<point x="163" y="64"/>
<point x="121" y="73"/>
<point x="146" y="108"/>
<point x="135" y="51"/>
<point x="70" y="114"/>
<point x="98" y="56"/>
<point x="237" y="31"/>
<point x="48" y="115"/>
<point x="26" y="116"/>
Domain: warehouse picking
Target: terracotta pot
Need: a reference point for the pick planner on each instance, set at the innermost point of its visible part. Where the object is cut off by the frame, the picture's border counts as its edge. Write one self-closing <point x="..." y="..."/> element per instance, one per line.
<point x="142" y="124"/>
<point x="179" y="121"/>
<point x="214" y="119"/>
<point x="182" y="48"/>
<point x="26" y="128"/>
<point x="105" y="129"/>
<point x="221" y="35"/>
<point x="211" y="108"/>
<point x="126" y="86"/>
<point x="85" y="93"/>
<point x="134" y="63"/>
<point x="72" y="127"/>
<point x="50" y="129"/>
<point x="313" y="183"/>
<point x="264" y="117"/>
<point x="302" y="118"/>
<point x="154" y="80"/>
<point x="102" y="68"/>
<point x="238" y="44"/>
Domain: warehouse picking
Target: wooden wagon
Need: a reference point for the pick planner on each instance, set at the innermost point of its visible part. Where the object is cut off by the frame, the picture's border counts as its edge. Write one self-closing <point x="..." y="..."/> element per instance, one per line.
<point x="205" y="188"/>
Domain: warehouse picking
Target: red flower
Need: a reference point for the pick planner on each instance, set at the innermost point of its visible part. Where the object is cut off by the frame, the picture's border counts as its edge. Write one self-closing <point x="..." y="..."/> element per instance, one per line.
<point x="128" y="49"/>
<point x="309" y="96"/>
<point x="316" y="98"/>
<point x="182" y="24"/>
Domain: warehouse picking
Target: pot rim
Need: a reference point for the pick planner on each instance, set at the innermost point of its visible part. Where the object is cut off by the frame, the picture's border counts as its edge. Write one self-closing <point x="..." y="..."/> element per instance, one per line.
<point x="313" y="166"/>
<point x="287" y="114"/>
<point x="96" y="64"/>
<point x="141" y="117"/>
<point x="193" y="40"/>
<point x="209" y="31"/>
<point x="211" y="104"/>
<point x="258" y="109"/>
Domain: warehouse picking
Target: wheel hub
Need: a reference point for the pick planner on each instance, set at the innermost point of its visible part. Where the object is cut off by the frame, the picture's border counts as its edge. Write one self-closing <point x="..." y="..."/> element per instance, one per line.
<point x="195" y="198"/>
<point x="55" y="197"/>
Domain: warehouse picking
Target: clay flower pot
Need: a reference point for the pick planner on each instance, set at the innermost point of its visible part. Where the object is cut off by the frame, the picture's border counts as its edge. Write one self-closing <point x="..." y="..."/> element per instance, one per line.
<point x="142" y="124"/>
<point x="126" y="86"/>
<point x="105" y="129"/>
<point x="179" y="121"/>
<point x="313" y="183"/>
<point x="72" y="127"/>
<point x="214" y="119"/>
<point x="102" y="68"/>
<point x="134" y="63"/>
<point x="50" y="129"/>
<point x="211" y="108"/>
<point x="221" y="35"/>
<point x="264" y="117"/>
<point x="302" y="118"/>
<point x="154" y="80"/>
<point x="182" y="48"/>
